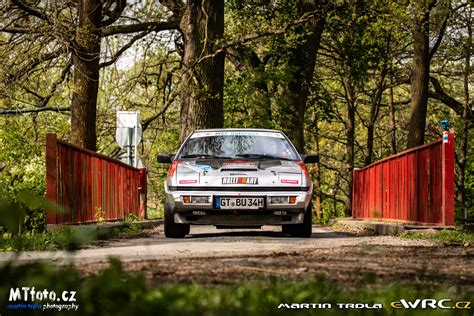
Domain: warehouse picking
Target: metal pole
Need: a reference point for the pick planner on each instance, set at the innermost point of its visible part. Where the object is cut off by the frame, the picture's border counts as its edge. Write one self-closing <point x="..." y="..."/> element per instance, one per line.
<point x="136" y="143"/>
<point x="129" y="146"/>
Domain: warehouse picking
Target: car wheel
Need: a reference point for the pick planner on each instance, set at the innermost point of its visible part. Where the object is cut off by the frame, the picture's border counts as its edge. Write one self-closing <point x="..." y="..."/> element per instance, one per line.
<point x="304" y="229"/>
<point x="173" y="230"/>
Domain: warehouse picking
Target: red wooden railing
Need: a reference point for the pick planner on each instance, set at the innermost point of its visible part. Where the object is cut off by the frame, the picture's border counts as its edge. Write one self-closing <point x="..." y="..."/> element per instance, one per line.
<point x="84" y="186"/>
<point x="415" y="186"/>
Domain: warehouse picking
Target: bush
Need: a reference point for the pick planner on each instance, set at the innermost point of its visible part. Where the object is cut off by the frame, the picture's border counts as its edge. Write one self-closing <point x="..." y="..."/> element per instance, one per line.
<point x="115" y="292"/>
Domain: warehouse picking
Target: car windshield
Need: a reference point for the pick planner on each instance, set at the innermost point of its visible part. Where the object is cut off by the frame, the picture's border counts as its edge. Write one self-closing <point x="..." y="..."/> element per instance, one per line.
<point x="238" y="144"/>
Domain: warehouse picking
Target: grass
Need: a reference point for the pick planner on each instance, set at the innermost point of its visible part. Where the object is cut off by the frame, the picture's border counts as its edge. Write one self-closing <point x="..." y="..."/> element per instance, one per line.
<point x="450" y="237"/>
<point x="115" y="292"/>
<point x="64" y="238"/>
<point x="155" y="213"/>
<point x="127" y="231"/>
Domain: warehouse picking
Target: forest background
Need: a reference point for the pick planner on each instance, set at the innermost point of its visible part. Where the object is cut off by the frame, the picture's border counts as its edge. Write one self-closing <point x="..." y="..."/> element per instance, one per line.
<point x="354" y="81"/>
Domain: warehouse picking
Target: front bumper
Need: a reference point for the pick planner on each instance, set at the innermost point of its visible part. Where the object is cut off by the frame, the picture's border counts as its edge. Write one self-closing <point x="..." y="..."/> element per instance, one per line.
<point x="208" y="214"/>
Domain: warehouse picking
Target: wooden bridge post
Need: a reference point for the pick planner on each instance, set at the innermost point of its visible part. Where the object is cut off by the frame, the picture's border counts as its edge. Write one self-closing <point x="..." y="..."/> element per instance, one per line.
<point x="448" y="179"/>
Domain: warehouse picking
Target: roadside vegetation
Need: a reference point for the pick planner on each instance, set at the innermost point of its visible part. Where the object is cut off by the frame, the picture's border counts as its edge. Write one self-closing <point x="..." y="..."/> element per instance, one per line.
<point x="22" y="227"/>
<point x="446" y="236"/>
<point x="65" y="238"/>
<point x="116" y="292"/>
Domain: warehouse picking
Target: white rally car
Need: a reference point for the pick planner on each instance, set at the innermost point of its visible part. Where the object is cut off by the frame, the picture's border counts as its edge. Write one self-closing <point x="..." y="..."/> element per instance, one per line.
<point x="238" y="178"/>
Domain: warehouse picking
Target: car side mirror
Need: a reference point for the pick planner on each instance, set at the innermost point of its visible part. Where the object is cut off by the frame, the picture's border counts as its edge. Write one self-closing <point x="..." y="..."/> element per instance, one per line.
<point x="311" y="158"/>
<point x="164" y="158"/>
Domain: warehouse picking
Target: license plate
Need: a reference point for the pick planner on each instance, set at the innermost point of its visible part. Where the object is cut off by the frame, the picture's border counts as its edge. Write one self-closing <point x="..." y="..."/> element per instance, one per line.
<point x="239" y="202"/>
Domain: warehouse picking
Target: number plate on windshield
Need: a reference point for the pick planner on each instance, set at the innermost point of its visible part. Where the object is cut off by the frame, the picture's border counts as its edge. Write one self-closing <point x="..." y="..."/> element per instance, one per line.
<point x="239" y="202"/>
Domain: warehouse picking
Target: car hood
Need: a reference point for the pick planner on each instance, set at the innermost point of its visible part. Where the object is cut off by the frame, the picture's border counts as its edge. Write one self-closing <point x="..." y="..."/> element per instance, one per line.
<point x="239" y="173"/>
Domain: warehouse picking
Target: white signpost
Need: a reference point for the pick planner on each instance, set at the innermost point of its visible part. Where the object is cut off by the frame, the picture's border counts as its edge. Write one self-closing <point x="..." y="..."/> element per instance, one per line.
<point x="129" y="134"/>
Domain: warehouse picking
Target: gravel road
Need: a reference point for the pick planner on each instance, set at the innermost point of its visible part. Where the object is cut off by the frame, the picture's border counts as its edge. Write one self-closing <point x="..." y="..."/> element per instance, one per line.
<point x="226" y="256"/>
<point x="207" y="241"/>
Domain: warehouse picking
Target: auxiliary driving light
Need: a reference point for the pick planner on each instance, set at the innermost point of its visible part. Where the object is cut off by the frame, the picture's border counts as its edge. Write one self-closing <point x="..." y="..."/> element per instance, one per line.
<point x="196" y="199"/>
<point x="200" y="199"/>
<point x="283" y="200"/>
<point x="279" y="200"/>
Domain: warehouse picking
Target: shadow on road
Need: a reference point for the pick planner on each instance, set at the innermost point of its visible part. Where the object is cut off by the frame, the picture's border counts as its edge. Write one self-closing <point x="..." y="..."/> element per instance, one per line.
<point x="262" y="233"/>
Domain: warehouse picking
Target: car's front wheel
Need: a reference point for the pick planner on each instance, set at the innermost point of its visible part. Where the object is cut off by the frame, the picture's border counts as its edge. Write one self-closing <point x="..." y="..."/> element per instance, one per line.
<point x="304" y="229"/>
<point x="172" y="229"/>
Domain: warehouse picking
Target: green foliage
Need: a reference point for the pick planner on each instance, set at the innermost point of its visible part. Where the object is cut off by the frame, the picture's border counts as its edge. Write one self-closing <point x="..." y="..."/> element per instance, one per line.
<point x="445" y="236"/>
<point x="131" y="218"/>
<point x="22" y="169"/>
<point x="358" y="34"/>
<point x="115" y="292"/>
<point x="56" y="239"/>
<point x="359" y="38"/>
<point x="22" y="211"/>
<point x="64" y="238"/>
<point x="17" y="235"/>
<point x="128" y="231"/>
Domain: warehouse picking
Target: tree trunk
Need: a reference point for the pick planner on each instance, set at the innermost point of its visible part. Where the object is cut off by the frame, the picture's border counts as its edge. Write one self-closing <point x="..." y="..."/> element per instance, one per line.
<point x="465" y="118"/>
<point x="85" y="58"/>
<point x="316" y="170"/>
<point x="393" y="122"/>
<point x="202" y="25"/>
<point x="374" y="113"/>
<point x="420" y="75"/>
<point x="301" y="62"/>
<point x="350" y="136"/>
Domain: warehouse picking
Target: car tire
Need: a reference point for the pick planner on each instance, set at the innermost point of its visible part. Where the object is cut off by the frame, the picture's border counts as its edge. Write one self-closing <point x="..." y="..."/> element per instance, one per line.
<point x="303" y="230"/>
<point x="173" y="230"/>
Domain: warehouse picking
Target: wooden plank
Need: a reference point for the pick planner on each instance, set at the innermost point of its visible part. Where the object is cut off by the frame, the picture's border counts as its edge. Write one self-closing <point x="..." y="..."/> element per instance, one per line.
<point x="423" y="182"/>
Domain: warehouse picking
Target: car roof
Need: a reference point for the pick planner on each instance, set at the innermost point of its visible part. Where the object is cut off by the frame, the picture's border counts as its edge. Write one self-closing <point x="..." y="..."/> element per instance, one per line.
<point x="238" y="129"/>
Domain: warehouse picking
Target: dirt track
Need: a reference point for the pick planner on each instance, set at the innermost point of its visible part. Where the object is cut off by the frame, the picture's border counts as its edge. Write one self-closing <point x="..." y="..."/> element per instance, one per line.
<point x="209" y="255"/>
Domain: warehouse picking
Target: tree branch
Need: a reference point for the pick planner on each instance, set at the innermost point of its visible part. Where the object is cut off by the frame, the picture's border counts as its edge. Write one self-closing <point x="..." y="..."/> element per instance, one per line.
<point x="440" y="95"/>
<point x="114" y="15"/>
<point x="148" y="121"/>
<point x="32" y="11"/>
<point x="18" y="30"/>
<point x="55" y="85"/>
<point x="175" y="6"/>
<point x="432" y="4"/>
<point x="34" y="63"/>
<point x="43" y="109"/>
<point x="442" y="30"/>
<point x="140" y="27"/>
<point x="123" y="49"/>
<point x="332" y="197"/>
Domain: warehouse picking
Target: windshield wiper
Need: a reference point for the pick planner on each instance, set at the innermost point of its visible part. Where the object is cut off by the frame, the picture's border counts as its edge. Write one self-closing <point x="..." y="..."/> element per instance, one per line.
<point x="205" y="156"/>
<point x="261" y="156"/>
